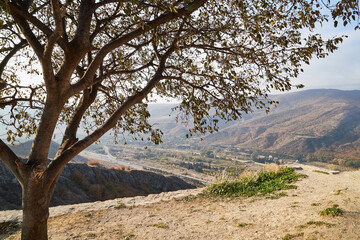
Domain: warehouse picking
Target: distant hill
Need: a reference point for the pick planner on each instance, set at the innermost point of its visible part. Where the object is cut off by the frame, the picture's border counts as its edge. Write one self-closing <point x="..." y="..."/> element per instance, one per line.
<point x="320" y="122"/>
<point x="312" y="121"/>
<point x="23" y="150"/>
<point x="306" y="122"/>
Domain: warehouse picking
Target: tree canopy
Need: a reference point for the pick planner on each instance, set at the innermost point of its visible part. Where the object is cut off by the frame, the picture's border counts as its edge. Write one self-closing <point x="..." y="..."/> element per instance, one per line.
<point x="102" y="62"/>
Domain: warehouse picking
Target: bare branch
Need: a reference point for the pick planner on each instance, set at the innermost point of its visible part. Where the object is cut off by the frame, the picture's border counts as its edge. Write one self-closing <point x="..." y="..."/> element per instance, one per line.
<point x="103" y="3"/>
<point x="36" y="22"/>
<point x="12" y="162"/>
<point x="13" y="51"/>
<point x="59" y="163"/>
<point x="87" y="79"/>
<point x="69" y="137"/>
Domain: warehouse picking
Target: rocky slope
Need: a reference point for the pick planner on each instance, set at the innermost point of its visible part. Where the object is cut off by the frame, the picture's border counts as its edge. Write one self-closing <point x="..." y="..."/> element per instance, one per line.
<point x="82" y="183"/>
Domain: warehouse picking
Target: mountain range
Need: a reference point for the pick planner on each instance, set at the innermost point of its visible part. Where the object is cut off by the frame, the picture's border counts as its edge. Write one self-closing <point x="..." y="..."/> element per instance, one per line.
<point x="320" y="122"/>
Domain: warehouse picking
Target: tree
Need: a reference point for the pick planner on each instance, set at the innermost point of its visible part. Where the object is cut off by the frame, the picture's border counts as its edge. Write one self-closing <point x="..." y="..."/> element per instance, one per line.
<point x="102" y="62"/>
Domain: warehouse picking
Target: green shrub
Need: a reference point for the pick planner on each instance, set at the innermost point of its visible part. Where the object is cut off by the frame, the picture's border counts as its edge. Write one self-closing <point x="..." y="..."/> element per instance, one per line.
<point x="91" y="235"/>
<point x="290" y="236"/>
<point x="243" y="224"/>
<point x="79" y="179"/>
<point x="120" y="205"/>
<point x="333" y="211"/>
<point x="323" y="172"/>
<point x="265" y="183"/>
<point x="160" y="225"/>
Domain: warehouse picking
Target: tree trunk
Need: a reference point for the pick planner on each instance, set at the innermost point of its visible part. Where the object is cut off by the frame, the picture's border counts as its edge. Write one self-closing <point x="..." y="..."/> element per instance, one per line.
<point x="35" y="205"/>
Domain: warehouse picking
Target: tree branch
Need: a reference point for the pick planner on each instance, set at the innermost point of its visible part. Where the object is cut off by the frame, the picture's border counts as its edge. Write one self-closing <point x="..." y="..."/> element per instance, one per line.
<point x="14" y="50"/>
<point x="86" y="81"/>
<point x="49" y="76"/>
<point x="36" y="22"/>
<point x="12" y="162"/>
<point x="56" y="166"/>
<point x="29" y="35"/>
<point x="69" y="137"/>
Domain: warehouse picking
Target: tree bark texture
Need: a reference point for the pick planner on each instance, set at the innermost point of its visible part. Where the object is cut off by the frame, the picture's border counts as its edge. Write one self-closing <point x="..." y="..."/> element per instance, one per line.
<point x="35" y="203"/>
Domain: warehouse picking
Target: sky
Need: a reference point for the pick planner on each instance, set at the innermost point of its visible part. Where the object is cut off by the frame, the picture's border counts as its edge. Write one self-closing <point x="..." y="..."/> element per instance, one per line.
<point x="339" y="70"/>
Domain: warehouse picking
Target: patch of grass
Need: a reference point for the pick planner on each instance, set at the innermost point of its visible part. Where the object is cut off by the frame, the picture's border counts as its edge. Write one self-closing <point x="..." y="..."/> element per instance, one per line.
<point x="323" y="172"/>
<point x="277" y="196"/>
<point x="160" y="225"/>
<point x="129" y="236"/>
<point x="265" y="183"/>
<point x="91" y="235"/>
<point x="316" y="223"/>
<point x="120" y="205"/>
<point x="187" y="198"/>
<point x="320" y="223"/>
<point x="315" y="204"/>
<point x="79" y="179"/>
<point x="291" y="236"/>
<point x="244" y="224"/>
<point x="332" y="211"/>
<point x="338" y="192"/>
<point x="93" y="163"/>
<point x="9" y="227"/>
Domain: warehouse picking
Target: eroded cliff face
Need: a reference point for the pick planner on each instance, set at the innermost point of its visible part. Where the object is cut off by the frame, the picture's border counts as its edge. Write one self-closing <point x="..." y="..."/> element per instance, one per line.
<point x="82" y="183"/>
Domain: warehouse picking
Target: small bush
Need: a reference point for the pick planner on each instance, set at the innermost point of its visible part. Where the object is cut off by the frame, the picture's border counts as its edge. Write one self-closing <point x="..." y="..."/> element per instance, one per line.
<point x="120" y="205"/>
<point x="9" y="227"/>
<point x="323" y="172"/>
<point x="91" y="235"/>
<point x="97" y="191"/>
<point x="319" y="223"/>
<point x="243" y="224"/>
<point x="160" y="225"/>
<point x="265" y="183"/>
<point x="290" y="236"/>
<point x="129" y="236"/>
<point x="316" y="223"/>
<point x="79" y="179"/>
<point x="93" y="163"/>
<point x="333" y="211"/>
<point x="277" y="196"/>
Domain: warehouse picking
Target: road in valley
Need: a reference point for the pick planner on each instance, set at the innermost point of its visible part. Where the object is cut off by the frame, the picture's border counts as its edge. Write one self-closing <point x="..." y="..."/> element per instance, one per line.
<point x="112" y="159"/>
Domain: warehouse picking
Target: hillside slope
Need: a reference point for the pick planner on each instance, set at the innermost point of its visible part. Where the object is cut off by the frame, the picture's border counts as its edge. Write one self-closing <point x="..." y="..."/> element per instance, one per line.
<point x="304" y="122"/>
<point x="23" y="149"/>
<point x="295" y="215"/>
<point x="322" y="122"/>
<point x="80" y="183"/>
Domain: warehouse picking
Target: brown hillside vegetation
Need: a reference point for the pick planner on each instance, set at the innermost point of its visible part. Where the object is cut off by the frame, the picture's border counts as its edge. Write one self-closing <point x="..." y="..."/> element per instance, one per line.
<point x="312" y="121"/>
<point x="294" y="216"/>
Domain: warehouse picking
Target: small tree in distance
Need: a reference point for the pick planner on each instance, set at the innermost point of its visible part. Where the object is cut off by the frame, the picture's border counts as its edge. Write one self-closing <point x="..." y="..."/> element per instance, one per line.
<point x="103" y="61"/>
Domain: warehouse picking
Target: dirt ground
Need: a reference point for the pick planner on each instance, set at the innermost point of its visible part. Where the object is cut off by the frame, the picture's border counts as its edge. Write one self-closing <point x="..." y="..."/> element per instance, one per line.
<point x="295" y="216"/>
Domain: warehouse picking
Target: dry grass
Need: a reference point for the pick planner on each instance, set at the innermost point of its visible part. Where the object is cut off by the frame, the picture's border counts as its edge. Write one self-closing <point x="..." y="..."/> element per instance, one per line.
<point x="93" y="163"/>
